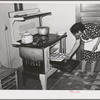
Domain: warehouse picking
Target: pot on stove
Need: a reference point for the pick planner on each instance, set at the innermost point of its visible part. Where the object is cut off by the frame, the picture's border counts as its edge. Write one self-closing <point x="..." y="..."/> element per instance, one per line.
<point x="43" y="30"/>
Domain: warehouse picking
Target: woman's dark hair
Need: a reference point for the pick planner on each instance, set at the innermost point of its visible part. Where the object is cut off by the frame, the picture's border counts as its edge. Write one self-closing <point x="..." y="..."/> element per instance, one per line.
<point x="77" y="27"/>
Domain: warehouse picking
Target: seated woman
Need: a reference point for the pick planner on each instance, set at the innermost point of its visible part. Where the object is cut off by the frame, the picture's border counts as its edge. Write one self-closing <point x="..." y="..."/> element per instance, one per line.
<point x="90" y="34"/>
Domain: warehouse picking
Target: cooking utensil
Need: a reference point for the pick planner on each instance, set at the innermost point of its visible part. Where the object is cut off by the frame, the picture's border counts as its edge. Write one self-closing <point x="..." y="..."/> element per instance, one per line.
<point x="26" y="38"/>
<point x="43" y="30"/>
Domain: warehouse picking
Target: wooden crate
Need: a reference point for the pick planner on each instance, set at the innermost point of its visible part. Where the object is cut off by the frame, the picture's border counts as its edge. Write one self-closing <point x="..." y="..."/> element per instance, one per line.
<point x="8" y="78"/>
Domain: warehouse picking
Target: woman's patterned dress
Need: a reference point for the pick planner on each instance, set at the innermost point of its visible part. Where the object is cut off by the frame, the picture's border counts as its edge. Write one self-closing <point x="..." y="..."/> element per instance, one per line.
<point x="92" y="31"/>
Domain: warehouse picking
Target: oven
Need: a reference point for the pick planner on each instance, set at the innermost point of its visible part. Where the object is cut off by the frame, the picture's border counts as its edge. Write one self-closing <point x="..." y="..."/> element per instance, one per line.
<point x="36" y="57"/>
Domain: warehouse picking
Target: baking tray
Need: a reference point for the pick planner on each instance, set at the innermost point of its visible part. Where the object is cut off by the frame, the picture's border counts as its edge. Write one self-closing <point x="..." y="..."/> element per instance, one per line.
<point x="68" y="66"/>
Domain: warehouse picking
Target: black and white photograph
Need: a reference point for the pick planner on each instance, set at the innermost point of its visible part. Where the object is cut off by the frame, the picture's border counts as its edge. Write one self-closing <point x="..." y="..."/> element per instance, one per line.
<point x="50" y="46"/>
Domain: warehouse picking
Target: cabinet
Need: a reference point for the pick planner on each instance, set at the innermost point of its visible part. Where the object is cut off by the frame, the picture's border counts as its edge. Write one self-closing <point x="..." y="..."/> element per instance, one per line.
<point x="8" y="78"/>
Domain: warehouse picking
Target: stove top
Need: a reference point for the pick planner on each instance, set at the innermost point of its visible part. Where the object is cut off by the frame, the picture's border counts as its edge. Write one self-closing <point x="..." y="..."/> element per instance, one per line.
<point x="40" y="41"/>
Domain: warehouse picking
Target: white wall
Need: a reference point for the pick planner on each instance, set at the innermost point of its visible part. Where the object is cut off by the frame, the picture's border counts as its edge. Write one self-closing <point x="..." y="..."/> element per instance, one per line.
<point x="9" y="55"/>
<point x="63" y="16"/>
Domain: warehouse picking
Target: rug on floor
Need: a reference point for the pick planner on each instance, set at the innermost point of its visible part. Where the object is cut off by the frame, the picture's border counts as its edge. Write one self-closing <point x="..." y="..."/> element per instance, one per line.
<point x="74" y="81"/>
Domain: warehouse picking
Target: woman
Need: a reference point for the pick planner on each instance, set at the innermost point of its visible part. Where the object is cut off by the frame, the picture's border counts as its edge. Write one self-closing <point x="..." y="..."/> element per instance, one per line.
<point x="90" y="34"/>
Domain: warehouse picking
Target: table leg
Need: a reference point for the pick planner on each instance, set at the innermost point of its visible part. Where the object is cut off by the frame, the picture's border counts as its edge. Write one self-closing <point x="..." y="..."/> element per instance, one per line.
<point x="43" y="81"/>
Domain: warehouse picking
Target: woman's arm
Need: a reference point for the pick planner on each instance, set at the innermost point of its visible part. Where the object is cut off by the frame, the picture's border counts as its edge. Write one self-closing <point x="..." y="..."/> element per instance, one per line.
<point x="96" y="45"/>
<point x="86" y="41"/>
<point x="75" y="47"/>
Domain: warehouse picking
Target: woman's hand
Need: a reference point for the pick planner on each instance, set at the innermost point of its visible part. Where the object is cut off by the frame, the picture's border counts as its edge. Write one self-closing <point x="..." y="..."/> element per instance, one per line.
<point x="67" y="56"/>
<point x="94" y="48"/>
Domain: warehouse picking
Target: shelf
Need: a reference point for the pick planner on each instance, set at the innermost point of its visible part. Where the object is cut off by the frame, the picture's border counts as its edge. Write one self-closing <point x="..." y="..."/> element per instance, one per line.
<point x="29" y="16"/>
<point x="13" y="86"/>
<point x="8" y="80"/>
<point x="9" y="84"/>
